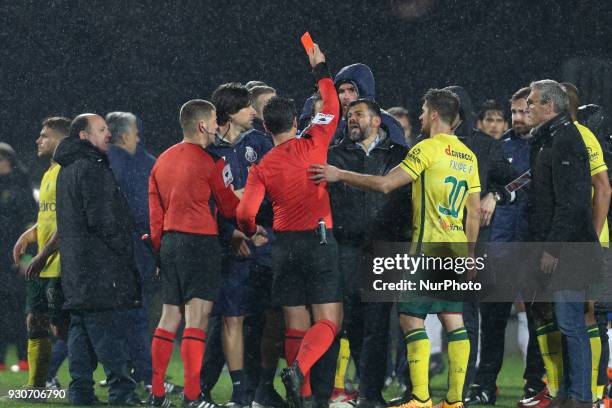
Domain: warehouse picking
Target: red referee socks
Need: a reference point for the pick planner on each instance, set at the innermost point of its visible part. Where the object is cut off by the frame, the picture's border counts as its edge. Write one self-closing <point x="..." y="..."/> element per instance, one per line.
<point x="293" y="339"/>
<point x="192" y="353"/>
<point x="316" y="342"/>
<point x="161" y="351"/>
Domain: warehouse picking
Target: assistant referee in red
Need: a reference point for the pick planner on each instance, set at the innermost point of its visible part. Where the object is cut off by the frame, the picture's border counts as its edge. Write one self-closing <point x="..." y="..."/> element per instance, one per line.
<point x="186" y="187"/>
<point x="305" y="268"/>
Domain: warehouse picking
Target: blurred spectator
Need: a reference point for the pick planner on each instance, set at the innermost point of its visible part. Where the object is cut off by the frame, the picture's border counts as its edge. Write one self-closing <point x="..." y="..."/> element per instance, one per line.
<point x="259" y="96"/>
<point x="403" y="117"/>
<point x="131" y="165"/>
<point x="17" y="211"/>
<point x="491" y="119"/>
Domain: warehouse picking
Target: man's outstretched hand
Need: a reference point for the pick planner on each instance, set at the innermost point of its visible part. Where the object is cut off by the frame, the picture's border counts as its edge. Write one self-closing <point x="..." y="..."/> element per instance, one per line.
<point x="324" y="172"/>
<point x="315" y="56"/>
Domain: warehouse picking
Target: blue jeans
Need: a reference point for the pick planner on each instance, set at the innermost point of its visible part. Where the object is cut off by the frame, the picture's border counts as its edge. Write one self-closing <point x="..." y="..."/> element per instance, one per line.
<point x="95" y="337"/>
<point x="569" y="312"/>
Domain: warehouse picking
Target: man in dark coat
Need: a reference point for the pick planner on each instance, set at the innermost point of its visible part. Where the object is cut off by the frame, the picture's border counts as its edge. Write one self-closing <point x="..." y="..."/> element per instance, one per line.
<point x="99" y="275"/>
<point x="560" y="212"/>
<point x="360" y="219"/>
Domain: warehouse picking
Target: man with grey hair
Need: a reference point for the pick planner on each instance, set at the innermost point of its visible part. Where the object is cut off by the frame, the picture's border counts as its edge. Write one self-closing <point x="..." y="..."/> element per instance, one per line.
<point x="260" y="95"/>
<point x="124" y="130"/>
<point x="560" y="211"/>
<point x="131" y="165"/>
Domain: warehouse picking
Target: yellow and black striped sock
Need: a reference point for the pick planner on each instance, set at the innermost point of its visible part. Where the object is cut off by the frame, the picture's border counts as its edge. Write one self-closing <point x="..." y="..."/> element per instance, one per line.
<point x="595" y="356"/>
<point x="342" y="363"/>
<point x="418" y="350"/>
<point x="39" y="356"/>
<point x="458" y="355"/>
<point x="549" y="339"/>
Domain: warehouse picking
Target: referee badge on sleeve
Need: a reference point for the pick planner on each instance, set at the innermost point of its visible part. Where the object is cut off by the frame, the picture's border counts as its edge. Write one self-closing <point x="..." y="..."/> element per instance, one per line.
<point x="227" y="175"/>
<point x="322" y="119"/>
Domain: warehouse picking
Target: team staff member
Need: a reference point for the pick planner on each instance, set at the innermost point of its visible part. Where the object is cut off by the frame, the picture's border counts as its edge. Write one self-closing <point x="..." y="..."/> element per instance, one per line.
<point x="559" y="163"/>
<point x="445" y="173"/>
<point x="360" y="218"/>
<point x="99" y="276"/>
<point x="44" y="287"/>
<point x="550" y="337"/>
<point x="305" y="272"/>
<point x="184" y="230"/>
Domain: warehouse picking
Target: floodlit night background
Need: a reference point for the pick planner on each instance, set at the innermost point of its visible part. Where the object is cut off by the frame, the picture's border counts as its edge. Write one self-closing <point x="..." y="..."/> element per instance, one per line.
<point x="69" y="57"/>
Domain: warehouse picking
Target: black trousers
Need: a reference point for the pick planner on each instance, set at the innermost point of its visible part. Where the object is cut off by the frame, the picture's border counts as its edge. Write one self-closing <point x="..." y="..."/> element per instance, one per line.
<point x="367" y="329"/>
<point x="493" y="327"/>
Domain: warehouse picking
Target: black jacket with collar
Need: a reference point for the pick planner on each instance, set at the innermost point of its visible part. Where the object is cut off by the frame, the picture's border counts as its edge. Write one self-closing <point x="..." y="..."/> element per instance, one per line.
<point x="95" y="232"/>
<point x="361" y="216"/>
<point x="560" y="204"/>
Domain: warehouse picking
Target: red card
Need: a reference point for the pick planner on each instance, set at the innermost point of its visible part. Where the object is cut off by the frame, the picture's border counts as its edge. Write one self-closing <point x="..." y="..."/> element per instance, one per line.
<point x="307" y="42"/>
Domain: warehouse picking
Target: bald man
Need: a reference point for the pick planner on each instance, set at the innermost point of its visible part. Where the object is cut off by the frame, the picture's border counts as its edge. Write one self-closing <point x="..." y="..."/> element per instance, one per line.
<point x="99" y="277"/>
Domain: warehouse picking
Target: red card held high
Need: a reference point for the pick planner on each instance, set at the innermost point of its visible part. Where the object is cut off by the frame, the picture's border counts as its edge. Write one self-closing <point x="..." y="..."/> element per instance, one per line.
<point x="307" y="42"/>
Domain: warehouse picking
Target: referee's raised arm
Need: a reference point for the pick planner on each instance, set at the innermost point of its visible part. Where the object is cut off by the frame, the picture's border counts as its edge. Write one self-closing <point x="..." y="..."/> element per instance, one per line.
<point x="324" y="124"/>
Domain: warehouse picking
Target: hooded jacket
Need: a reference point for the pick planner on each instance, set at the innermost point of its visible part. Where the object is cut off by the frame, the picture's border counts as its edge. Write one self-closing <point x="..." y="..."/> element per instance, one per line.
<point x="94" y="227"/>
<point x="360" y="75"/>
<point x="494" y="171"/>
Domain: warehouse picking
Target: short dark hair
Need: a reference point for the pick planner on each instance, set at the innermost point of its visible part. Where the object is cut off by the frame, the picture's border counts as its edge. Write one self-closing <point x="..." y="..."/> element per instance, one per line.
<point x="79" y="124"/>
<point x="372" y="106"/>
<point x="192" y="112"/>
<point x="522" y="93"/>
<point x="574" y="98"/>
<point x="58" y="123"/>
<point x="279" y="114"/>
<point x="399" y="112"/>
<point x="229" y="99"/>
<point x="490" y="105"/>
<point x="443" y="101"/>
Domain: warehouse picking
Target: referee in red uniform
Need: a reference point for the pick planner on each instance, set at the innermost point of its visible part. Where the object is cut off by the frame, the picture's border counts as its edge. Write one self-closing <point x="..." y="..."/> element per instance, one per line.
<point x="185" y="186"/>
<point x="305" y="254"/>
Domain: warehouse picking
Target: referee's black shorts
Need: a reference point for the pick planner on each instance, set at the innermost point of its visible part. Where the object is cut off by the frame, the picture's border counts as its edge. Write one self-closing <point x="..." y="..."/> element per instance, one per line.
<point x="305" y="272"/>
<point x="190" y="267"/>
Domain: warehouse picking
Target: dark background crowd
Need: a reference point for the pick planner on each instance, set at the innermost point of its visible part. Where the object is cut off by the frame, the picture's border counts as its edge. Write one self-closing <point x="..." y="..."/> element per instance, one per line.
<point x="66" y="57"/>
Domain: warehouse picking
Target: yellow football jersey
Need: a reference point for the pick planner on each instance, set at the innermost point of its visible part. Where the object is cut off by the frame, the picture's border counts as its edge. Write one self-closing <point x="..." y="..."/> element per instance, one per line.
<point x="47" y="220"/>
<point x="597" y="165"/>
<point x="444" y="171"/>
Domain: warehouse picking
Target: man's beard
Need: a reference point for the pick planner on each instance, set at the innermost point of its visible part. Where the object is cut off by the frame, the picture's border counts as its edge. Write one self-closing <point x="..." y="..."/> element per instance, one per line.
<point x="359" y="135"/>
<point x="521" y="128"/>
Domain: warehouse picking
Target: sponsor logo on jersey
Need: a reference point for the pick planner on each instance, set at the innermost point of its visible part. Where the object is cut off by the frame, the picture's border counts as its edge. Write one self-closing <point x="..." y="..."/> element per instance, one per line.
<point x="460" y="155"/>
<point x="446" y="226"/>
<point x="593" y="155"/>
<point x="45" y="206"/>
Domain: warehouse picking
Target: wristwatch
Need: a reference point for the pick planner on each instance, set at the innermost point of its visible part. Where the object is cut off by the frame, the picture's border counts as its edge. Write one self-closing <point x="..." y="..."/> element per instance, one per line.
<point x="497" y="197"/>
